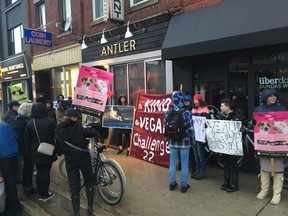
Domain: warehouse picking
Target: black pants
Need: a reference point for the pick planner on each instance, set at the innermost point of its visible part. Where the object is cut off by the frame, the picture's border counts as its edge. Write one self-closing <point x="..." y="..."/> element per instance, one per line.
<point x="126" y="142"/>
<point x="43" y="178"/>
<point x="74" y="167"/>
<point x="230" y="163"/>
<point x="8" y="167"/>
<point x="27" y="173"/>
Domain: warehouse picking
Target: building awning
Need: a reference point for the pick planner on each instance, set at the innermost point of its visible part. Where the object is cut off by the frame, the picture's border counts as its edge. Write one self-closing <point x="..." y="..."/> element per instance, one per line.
<point x="229" y="25"/>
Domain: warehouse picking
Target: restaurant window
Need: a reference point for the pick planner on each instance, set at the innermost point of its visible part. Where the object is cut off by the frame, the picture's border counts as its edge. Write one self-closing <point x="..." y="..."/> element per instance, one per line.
<point x="16" y="40"/>
<point x="64" y="80"/>
<point x="144" y="76"/>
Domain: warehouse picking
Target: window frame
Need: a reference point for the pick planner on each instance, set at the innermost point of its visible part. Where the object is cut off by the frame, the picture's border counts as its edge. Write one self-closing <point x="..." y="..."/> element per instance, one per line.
<point x="99" y="19"/>
<point x="11" y="36"/>
<point x="42" y="16"/>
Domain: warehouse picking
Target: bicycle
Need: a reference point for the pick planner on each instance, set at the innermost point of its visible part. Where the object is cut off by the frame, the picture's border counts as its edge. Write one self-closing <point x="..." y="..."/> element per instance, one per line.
<point x="109" y="178"/>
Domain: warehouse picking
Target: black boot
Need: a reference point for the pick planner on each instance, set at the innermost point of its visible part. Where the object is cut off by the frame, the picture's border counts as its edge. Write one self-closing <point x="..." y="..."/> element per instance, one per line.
<point x="90" y="197"/>
<point x="234" y="183"/>
<point x="75" y="204"/>
<point x="226" y="180"/>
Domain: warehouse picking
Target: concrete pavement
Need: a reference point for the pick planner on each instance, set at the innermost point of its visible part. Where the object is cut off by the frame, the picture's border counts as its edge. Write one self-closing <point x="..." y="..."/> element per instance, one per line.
<point x="147" y="193"/>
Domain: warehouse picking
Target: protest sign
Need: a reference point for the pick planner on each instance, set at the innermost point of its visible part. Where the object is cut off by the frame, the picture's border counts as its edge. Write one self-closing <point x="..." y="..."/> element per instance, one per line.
<point x="92" y="88"/>
<point x="271" y="133"/>
<point x="18" y="93"/>
<point x="224" y="136"/>
<point x="199" y="128"/>
<point x="148" y="142"/>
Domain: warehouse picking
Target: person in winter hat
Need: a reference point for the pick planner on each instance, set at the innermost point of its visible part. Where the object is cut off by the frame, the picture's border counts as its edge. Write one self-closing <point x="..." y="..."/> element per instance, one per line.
<point x="200" y="108"/>
<point x="269" y="98"/>
<point x="72" y="131"/>
<point x="182" y="147"/>
<point x="45" y="127"/>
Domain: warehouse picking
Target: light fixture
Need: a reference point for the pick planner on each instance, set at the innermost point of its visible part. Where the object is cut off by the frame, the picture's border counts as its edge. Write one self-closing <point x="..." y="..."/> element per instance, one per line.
<point x="128" y="33"/>
<point x="83" y="45"/>
<point x="103" y="39"/>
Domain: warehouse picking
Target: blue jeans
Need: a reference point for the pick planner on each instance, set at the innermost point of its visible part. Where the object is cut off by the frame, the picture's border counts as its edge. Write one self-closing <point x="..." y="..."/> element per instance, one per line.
<point x="184" y="156"/>
<point x="200" y="156"/>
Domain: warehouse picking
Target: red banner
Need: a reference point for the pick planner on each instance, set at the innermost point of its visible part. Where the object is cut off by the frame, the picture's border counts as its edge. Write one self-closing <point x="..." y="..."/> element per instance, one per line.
<point x="148" y="142"/>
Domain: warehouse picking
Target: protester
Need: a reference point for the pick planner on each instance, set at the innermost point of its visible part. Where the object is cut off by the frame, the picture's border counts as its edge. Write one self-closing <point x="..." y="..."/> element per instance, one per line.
<point x="200" y="108"/>
<point x="62" y="106"/>
<point x="12" y="113"/>
<point x="182" y="147"/>
<point x="231" y="172"/>
<point x="269" y="98"/>
<point x="72" y="131"/>
<point x="50" y="109"/>
<point x="45" y="127"/>
<point x="123" y="133"/>
<point x="10" y="118"/>
<point x="25" y="111"/>
<point x="8" y="167"/>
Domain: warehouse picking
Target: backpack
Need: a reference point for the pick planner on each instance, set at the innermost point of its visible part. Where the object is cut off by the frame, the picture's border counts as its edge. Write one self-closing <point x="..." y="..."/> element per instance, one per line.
<point x="175" y="128"/>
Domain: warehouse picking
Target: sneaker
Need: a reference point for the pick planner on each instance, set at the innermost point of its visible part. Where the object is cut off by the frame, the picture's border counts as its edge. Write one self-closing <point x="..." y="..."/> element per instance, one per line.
<point x="224" y="186"/>
<point x="200" y="176"/>
<point x="50" y="196"/>
<point x="172" y="187"/>
<point x="185" y="189"/>
<point x="232" y="188"/>
<point x="194" y="174"/>
<point x="119" y="152"/>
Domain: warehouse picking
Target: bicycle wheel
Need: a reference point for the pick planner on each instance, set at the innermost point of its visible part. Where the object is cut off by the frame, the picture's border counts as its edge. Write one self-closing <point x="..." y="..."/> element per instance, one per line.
<point x="119" y="168"/>
<point x="62" y="168"/>
<point x="110" y="183"/>
<point x="63" y="171"/>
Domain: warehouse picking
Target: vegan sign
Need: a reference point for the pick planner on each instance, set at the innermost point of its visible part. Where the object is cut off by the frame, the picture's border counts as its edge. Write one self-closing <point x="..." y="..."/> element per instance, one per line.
<point x="224" y="136"/>
<point x="148" y="142"/>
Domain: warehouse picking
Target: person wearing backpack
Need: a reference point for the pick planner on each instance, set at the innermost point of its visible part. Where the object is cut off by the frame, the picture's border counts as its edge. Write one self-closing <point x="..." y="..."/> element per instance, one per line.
<point x="200" y="108"/>
<point x="179" y="131"/>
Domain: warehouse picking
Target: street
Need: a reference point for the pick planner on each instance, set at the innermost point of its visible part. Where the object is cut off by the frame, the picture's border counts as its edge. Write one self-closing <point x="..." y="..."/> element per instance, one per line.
<point x="147" y="193"/>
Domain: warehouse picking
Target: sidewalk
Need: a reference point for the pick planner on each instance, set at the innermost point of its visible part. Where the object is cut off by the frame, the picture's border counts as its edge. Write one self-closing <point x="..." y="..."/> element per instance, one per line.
<point x="147" y="193"/>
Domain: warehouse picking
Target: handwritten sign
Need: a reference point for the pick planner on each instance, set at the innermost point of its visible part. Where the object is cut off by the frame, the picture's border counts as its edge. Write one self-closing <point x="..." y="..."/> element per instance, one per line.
<point x="271" y="132"/>
<point x="199" y="128"/>
<point x="148" y="142"/>
<point x="224" y="136"/>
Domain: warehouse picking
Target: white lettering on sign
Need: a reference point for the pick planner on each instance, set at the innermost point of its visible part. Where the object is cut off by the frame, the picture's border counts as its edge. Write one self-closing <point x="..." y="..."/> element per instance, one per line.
<point x="157" y="105"/>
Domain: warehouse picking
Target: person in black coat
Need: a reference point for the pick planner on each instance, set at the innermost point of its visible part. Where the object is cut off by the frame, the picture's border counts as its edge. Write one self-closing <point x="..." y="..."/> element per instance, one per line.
<point x="72" y="131"/>
<point x="24" y="114"/>
<point x="45" y="127"/>
<point x="50" y="109"/>
<point x="231" y="172"/>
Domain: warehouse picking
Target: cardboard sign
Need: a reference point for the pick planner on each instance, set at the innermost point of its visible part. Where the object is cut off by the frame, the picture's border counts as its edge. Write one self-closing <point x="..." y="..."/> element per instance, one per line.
<point x="224" y="136"/>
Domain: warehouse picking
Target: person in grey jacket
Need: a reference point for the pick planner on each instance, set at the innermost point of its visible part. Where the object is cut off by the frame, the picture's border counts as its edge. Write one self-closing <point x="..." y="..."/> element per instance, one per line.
<point x="269" y="98"/>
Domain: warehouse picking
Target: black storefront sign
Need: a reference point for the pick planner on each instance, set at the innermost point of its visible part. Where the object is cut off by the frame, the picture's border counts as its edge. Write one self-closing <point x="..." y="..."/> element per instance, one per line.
<point x="14" y="69"/>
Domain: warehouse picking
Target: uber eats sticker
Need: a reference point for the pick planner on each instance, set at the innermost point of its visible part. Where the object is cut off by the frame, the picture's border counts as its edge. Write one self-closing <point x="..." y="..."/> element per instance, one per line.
<point x="18" y="93"/>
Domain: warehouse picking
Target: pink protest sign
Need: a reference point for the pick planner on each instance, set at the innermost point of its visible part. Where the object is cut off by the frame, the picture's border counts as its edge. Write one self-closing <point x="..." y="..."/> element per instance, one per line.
<point x="92" y="88"/>
<point x="271" y="131"/>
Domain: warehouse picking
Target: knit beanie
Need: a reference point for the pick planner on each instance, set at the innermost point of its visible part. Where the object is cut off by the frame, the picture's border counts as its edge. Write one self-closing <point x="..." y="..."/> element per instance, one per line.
<point x="198" y="97"/>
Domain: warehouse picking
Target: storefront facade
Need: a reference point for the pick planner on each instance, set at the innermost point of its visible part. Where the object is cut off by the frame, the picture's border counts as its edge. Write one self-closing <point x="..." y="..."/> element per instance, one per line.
<point x="15" y="70"/>
<point x="227" y="51"/>
<point x="136" y="63"/>
<point x="56" y="72"/>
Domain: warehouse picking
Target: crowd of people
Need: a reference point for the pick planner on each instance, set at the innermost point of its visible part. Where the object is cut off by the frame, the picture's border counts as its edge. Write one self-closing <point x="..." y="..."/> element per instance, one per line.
<point x="27" y="125"/>
<point x="188" y="147"/>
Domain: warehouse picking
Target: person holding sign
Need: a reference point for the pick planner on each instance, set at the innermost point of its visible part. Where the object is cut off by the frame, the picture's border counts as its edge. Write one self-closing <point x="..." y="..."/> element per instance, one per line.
<point x="183" y="146"/>
<point x="200" y="108"/>
<point x="122" y="100"/>
<point x="269" y="99"/>
<point x="231" y="172"/>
